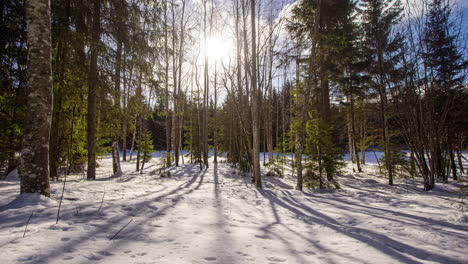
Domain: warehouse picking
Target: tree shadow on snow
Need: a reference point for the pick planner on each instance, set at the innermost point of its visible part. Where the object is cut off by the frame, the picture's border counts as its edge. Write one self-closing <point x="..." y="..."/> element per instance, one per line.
<point x="380" y="242"/>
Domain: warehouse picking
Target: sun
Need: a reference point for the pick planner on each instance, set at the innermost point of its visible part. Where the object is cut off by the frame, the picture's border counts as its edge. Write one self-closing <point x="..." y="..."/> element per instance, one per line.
<point x="218" y="48"/>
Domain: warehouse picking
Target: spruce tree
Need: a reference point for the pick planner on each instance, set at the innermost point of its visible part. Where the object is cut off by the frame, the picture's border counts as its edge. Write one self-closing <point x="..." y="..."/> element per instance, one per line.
<point x="378" y="19"/>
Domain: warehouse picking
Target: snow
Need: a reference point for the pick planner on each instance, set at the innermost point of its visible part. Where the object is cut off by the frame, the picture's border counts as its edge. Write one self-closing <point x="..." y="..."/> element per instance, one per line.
<point x="217" y="216"/>
<point x="12" y="176"/>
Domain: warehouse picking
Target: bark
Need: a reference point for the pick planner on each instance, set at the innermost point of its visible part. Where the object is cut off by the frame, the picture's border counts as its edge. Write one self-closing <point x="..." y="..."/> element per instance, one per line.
<point x="353" y="134"/>
<point x="93" y="92"/>
<point x="117" y="170"/>
<point x="70" y="146"/>
<point x="138" y="143"/>
<point x="175" y="116"/>
<point x="34" y="164"/>
<point x="453" y="165"/>
<point x="363" y="137"/>
<point x="132" y="148"/>
<point x="124" y="106"/>
<point x="115" y="144"/>
<point x="460" y="163"/>
<point x="255" y="105"/>
<point x="269" y="129"/>
<point x="166" y="88"/>
<point x="205" y="94"/>
<point x="215" y="146"/>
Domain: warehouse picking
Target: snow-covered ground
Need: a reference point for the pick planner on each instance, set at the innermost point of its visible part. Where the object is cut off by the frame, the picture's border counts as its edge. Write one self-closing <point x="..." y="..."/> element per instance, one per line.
<point x="217" y="216"/>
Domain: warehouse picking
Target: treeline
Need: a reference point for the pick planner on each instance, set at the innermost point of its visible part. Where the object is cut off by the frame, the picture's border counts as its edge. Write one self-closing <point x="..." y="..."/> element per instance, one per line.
<point x="314" y="79"/>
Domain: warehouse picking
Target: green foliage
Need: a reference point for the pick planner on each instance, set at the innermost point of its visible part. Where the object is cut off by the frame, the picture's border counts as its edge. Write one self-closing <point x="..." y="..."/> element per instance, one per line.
<point x="146" y="146"/>
<point x="103" y="146"/>
<point x="398" y="161"/>
<point x="322" y="154"/>
<point x="276" y="166"/>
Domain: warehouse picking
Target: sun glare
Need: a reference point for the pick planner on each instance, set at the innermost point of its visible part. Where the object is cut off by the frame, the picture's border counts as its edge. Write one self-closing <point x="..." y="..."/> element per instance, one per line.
<point x="218" y="48"/>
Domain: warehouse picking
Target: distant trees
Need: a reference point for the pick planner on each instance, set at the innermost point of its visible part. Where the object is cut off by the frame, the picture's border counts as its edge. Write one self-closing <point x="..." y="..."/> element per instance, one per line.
<point x="432" y="94"/>
<point x="13" y="81"/>
<point x="340" y="76"/>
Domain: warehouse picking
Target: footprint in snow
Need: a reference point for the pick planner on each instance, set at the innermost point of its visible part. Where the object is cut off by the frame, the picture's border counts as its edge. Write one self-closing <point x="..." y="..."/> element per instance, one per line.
<point x="27" y="258"/>
<point x="65" y="239"/>
<point x="210" y="258"/>
<point x="105" y="253"/>
<point x="276" y="259"/>
<point x="152" y="207"/>
<point x="93" y="257"/>
<point x="68" y="258"/>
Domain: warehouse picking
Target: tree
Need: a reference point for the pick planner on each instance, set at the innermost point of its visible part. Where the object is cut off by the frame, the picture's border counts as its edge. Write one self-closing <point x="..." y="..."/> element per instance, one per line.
<point x="255" y="105"/>
<point x="146" y="148"/>
<point x="34" y="170"/>
<point x="93" y="88"/>
<point x="444" y="65"/>
<point x="378" y="19"/>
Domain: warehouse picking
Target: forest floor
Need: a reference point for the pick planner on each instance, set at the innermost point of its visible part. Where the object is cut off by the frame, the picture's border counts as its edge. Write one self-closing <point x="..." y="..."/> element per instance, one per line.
<point x="217" y="216"/>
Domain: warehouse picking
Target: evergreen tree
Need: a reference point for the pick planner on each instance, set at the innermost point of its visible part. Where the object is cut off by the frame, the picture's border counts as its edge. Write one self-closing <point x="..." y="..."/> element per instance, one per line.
<point x="445" y="82"/>
<point x="378" y="19"/>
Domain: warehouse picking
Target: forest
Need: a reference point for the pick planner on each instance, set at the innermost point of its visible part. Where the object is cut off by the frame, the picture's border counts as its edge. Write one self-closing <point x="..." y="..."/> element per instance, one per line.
<point x="319" y="98"/>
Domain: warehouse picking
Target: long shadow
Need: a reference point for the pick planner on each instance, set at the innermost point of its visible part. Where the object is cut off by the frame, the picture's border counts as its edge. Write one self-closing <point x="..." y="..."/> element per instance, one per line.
<point x="419" y="218"/>
<point x="277" y="182"/>
<point x="267" y="230"/>
<point x="105" y="231"/>
<point x="372" y="212"/>
<point x="220" y="218"/>
<point x="379" y="242"/>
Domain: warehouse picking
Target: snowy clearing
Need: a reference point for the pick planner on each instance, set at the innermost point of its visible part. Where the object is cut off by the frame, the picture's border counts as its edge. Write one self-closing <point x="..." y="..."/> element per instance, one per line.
<point x="216" y="216"/>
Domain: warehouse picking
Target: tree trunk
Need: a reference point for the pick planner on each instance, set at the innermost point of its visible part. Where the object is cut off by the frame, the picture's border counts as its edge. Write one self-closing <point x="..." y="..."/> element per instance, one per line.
<point x="93" y="92"/>
<point x="363" y="137"/>
<point x="124" y="141"/>
<point x="116" y="169"/>
<point x="34" y="165"/>
<point x="132" y="148"/>
<point x="215" y="129"/>
<point x="205" y="94"/>
<point x="166" y="88"/>
<point x="255" y="105"/>
<point x="70" y="146"/>
<point x="124" y="106"/>
<point x="115" y="144"/>
<point x="460" y="163"/>
<point x="138" y="143"/>
<point x="353" y="133"/>
<point x="453" y="165"/>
